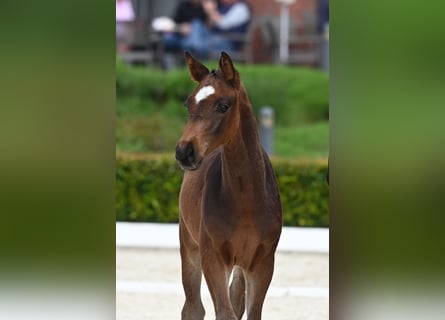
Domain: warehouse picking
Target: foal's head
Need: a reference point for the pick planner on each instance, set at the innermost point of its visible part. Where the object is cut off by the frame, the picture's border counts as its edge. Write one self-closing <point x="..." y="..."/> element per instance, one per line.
<point x="213" y="109"/>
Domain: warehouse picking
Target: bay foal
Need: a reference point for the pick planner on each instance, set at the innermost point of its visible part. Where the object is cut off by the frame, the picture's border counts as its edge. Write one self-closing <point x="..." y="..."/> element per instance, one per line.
<point x="230" y="208"/>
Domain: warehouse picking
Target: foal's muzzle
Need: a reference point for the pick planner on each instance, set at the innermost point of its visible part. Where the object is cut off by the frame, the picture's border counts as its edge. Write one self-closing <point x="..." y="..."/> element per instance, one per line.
<point x="187" y="157"/>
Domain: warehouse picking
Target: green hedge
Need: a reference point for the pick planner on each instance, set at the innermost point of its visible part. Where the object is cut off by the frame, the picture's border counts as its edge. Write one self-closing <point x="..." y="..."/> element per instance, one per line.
<point x="299" y="95"/>
<point x="147" y="189"/>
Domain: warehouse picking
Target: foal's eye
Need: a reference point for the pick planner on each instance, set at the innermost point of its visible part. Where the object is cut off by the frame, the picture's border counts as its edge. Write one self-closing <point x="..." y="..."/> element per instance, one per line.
<point x="222" y="107"/>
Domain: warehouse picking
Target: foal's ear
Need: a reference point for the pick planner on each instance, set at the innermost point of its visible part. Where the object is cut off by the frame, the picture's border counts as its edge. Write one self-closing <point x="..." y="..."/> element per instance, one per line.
<point x="228" y="70"/>
<point x="197" y="70"/>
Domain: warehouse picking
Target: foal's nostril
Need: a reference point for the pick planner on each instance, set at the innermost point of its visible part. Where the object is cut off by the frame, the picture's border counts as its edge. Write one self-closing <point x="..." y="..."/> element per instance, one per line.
<point x="189" y="151"/>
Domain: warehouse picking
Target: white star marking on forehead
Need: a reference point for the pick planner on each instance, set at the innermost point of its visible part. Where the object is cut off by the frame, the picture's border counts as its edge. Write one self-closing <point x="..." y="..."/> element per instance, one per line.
<point x="203" y="93"/>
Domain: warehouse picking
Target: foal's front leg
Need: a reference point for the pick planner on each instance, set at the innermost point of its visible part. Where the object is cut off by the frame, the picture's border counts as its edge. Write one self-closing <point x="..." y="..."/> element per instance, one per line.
<point x="258" y="280"/>
<point x="191" y="276"/>
<point x="217" y="274"/>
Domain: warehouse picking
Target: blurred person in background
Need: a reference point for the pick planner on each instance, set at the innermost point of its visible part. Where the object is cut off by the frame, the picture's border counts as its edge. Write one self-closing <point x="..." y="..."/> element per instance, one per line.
<point x="124" y="18"/>
<point x="185" y="13"/>
<point x="173" y="40"/>
<point x="227" y="16"/>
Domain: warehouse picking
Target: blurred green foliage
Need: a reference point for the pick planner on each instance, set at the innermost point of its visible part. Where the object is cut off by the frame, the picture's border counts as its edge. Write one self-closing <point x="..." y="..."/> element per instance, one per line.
<point x="150" y="115"/>
<point x="147" y="189"/>
<point x="303" y="141"/>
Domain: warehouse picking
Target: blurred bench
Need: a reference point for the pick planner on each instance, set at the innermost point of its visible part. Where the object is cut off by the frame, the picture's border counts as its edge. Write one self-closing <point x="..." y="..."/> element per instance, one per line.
<point x="261" y="43"/>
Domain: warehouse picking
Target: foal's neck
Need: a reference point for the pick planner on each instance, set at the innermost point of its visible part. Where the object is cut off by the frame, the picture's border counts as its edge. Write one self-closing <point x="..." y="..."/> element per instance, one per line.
<point x="243" y="157"/>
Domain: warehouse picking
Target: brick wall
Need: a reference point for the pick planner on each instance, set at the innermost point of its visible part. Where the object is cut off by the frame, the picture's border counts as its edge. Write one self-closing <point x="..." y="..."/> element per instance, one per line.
<point x="260" y="7"/>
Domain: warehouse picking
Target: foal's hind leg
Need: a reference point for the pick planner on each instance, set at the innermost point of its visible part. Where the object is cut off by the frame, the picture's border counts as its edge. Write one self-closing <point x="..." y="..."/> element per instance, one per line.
<point x="191" y="276"/>
<point x="238" y="292"/>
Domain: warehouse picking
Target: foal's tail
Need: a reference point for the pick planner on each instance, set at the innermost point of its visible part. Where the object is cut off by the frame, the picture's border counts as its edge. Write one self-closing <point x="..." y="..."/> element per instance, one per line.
<point x="238" y="292"/>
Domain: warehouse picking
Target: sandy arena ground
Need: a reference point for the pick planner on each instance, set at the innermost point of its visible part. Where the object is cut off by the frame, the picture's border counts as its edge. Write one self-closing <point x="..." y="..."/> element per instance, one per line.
<point x="148" y="284"/>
